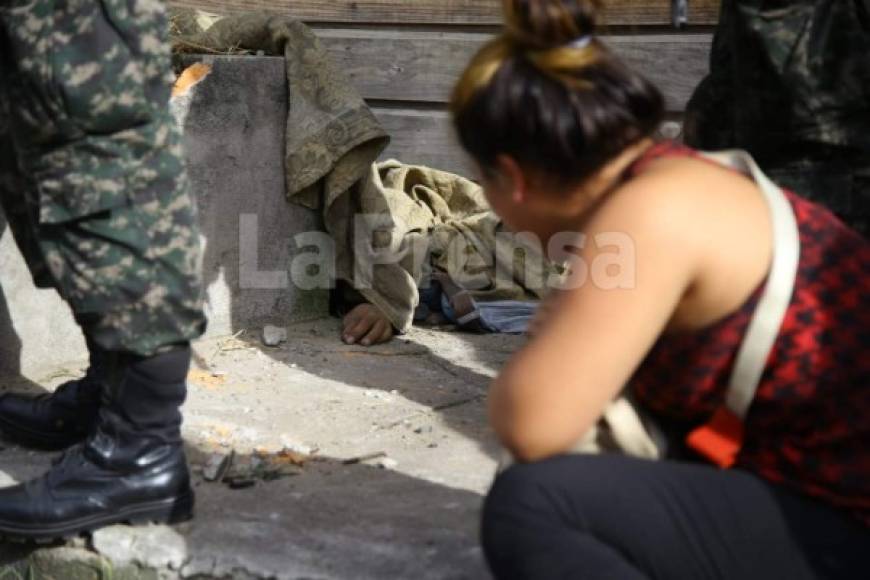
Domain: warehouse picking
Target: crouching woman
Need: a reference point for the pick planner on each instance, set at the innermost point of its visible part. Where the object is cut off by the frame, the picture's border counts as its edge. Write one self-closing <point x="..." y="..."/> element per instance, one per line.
<point x="561" y="131"/>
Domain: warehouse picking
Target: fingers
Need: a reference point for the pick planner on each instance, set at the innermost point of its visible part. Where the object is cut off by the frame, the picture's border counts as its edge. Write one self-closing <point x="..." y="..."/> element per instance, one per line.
<point x="366" y="325"/>
<point x="358" y="328"/>
<point x="353" y="317"/>
<point x="357" y="324"/>
<point x="374" y="334"/>
<point x="386" y="335"/>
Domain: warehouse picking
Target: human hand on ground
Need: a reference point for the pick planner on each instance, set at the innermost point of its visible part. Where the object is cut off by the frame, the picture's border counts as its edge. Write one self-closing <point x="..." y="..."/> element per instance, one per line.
<point x="366" y="325"/>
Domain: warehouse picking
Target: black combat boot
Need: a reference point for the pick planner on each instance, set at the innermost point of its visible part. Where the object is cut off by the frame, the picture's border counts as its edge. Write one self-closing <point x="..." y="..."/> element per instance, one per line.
<point x="132" y="469"/>
<point x="55" y="420"/>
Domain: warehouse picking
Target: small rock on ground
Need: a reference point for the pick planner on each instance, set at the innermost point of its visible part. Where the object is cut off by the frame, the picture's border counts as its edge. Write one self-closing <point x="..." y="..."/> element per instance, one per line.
<point x="155" y="547"/>
<point x="273" y="335"/>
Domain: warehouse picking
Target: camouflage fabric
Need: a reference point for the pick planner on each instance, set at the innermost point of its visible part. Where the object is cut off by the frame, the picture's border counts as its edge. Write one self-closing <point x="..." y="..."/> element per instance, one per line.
<point x="332" y="135"/>
<point x="92" y="177"/>
<point x="790" y="82"/>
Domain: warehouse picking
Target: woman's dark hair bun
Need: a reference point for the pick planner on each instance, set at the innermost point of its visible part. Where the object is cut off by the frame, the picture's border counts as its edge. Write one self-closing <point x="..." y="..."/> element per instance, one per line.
<point x="547" y="94"/>
<point x="545" y="24"/>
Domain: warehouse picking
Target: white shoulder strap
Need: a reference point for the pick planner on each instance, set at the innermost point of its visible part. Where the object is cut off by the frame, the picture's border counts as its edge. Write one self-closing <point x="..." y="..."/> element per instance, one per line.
<point x="769" y="314"/>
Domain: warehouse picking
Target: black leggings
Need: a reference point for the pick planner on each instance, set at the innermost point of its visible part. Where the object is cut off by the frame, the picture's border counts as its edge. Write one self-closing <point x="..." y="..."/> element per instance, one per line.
<point x="613" y="517"/>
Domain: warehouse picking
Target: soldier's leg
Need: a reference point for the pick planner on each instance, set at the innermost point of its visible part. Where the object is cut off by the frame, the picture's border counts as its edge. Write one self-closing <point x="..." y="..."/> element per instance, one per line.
<point x="800" y="103"/>
<point x="709" y="119"/>
<point x="117" y="229"/>
<point x="18" y="198"/>
<point x="65" y="417"/>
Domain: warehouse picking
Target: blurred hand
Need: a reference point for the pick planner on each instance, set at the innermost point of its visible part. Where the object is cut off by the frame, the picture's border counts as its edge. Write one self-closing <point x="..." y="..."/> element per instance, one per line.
<point x="366" y="325"/>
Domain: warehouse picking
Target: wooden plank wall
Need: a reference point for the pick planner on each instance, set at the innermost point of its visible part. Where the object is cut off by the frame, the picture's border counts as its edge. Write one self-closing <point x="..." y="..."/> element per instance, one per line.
<point x="405" y="55"/>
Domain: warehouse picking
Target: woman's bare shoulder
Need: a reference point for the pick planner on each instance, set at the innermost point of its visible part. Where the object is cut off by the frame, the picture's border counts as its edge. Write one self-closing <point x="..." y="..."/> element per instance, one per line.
<point x="711" y="219"/>
<point x="685" y="198"/>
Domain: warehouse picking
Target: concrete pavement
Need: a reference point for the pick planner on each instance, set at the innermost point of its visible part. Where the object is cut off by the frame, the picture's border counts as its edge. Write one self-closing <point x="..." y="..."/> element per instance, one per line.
<point x="347" y="463"/>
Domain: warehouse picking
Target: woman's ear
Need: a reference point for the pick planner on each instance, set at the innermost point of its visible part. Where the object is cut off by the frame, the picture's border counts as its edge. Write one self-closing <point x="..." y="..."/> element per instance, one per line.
<point x="514" y="180"/>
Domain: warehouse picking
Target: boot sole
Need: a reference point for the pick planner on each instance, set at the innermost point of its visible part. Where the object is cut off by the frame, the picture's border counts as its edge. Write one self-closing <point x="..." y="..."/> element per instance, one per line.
<point x="24" y="437"/>
<point x="169" y="511"/>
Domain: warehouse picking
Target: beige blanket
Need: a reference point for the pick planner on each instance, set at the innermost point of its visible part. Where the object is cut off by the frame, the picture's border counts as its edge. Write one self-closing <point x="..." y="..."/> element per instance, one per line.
<point x="429" y="219"/>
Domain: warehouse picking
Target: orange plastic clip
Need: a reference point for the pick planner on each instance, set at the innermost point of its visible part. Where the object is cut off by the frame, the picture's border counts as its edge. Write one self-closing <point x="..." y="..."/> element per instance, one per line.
<point x="720" y="439"/>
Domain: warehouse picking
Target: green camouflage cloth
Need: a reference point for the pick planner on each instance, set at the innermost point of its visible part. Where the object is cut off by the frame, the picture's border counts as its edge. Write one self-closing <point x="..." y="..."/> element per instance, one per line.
<point x="92" y="177"/>
<point x="790" y="82"/>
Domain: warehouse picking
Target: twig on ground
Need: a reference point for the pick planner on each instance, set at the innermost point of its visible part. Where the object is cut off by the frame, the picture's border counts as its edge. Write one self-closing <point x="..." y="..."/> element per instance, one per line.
<point x="435" y="409"/>
<point x="220" y="348"/>
<point x="459" y="403"/>
<point x="364" y="458"/>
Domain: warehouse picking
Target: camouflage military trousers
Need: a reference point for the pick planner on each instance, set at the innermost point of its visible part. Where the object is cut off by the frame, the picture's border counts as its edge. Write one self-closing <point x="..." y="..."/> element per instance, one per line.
<point x="790" y="82"/>
<point x="92" y="178"/>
